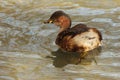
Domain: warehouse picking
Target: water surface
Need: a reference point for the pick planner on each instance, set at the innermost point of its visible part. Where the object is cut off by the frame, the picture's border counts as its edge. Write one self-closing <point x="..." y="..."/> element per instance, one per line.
<point x="28" y="51"/>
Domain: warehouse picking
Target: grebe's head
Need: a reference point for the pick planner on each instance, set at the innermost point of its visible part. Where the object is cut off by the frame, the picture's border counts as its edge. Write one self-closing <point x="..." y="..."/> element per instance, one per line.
<point x="60" y="18"/>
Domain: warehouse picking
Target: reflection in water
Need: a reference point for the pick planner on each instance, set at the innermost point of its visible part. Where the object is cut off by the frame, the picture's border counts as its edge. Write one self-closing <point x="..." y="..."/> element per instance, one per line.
<point x="61" y="58"/>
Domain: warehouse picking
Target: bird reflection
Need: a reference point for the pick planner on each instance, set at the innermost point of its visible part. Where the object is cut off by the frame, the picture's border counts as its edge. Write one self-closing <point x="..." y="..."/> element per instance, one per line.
<point x="62" y="58"/>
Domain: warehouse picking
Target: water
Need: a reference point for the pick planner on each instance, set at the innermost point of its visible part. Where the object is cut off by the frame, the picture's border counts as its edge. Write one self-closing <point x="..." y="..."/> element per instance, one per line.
<point x="28" y="51"/>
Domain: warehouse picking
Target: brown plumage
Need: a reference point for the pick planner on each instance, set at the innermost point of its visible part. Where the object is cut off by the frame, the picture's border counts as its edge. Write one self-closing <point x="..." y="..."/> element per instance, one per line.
<point x="79" y="38"/>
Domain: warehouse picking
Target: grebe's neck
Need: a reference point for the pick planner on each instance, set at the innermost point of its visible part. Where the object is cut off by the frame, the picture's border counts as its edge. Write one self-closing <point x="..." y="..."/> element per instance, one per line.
<point x="64" y="23"/>
<point x="63" y="29"/>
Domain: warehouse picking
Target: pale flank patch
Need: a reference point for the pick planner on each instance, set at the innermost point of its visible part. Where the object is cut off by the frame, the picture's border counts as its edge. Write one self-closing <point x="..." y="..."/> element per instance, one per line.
<point x="89" y="40"/>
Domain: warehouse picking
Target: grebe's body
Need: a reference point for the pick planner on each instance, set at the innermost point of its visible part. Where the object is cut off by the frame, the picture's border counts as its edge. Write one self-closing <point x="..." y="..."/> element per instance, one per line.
<point x="79" y="38"/>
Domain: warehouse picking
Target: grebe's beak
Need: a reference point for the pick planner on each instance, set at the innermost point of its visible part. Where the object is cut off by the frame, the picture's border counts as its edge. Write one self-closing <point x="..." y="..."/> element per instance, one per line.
<point x="48" y="21"/>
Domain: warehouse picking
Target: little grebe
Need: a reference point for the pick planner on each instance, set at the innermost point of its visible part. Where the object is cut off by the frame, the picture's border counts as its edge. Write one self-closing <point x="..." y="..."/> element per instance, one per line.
<point x="79" y="38"/>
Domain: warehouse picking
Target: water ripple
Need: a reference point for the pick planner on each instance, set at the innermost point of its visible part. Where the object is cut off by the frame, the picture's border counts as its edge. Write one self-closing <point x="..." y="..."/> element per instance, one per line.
<point x="19" y="54"/>
<point x="89" y="11"/>
<point x="6" y="78"/>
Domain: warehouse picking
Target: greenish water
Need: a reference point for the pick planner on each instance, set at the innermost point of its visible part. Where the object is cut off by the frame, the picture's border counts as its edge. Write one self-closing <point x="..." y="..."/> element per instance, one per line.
<point x="28" y="51"/>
